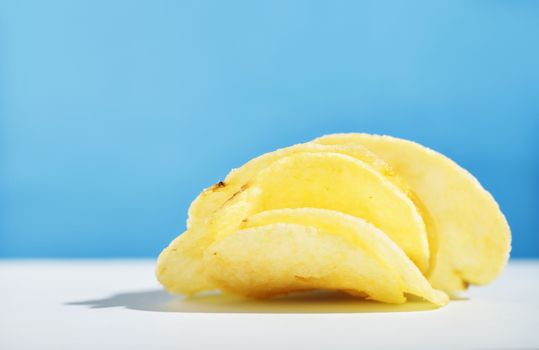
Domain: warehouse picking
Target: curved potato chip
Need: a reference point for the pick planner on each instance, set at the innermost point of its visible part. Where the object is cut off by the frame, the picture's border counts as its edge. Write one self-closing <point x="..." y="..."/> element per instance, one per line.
<point x="215" y="196"/>
<point x="180" y="267"/>
<point x="342" y="183"/>
<point x="282" y="258"/>
<point x="474" y="236"/>
<point x="324" y="180"/>
<point x="357" y="232"/>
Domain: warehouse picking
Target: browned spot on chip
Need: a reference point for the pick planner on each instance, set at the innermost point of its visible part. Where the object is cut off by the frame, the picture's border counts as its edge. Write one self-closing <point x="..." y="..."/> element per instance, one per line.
<point x="232" y="197"/>
<point x="218" y="185"/>
<point x="242" y="188"/>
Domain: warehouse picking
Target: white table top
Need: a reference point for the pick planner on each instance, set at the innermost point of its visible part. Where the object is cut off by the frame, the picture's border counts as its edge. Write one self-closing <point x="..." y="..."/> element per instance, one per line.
<point x="117" y="304"/>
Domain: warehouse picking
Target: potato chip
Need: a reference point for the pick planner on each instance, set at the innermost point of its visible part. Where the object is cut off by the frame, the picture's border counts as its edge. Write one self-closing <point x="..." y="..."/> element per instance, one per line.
<point x="180" y="267"/>
<point x="342" y="183"/>
<point x="323" y="180"/>
<point x="211" y="199"/>
<point x="281" y="258"/>
<point x="474" y="237"/>
<point x="214" y="197"/>
<point x="356" y="232"/>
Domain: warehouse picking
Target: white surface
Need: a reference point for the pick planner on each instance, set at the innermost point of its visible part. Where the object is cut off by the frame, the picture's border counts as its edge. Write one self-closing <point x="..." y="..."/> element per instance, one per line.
<point x="118" y="305"/>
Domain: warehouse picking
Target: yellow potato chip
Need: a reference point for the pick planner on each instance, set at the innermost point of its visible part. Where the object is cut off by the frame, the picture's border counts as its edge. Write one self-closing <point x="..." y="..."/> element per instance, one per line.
<point x="180" y="267"/>
<point x="356" y="232"/>
<point x="342" y="183"/>
<point x="215" y="196"/>
<point x="474" y="238"/>
<point x="282" y="258"/>
<point x="311" y="179"/>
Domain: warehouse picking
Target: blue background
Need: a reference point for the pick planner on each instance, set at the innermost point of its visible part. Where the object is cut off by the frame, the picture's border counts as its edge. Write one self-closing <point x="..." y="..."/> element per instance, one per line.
<point x="115" y="114"/>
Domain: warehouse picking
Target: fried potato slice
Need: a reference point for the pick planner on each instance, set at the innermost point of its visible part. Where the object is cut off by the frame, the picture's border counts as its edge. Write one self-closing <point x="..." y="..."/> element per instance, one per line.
<point x="311" y="179"/>
<point x="280" y="258"/>
<point x="361" y="234"/>
<point x="215" y="196"/>
<point x="180" y="266"/>
<point x="474" y="238"/>
<point x="342" y="183"/>
<point x="186" y="260"/>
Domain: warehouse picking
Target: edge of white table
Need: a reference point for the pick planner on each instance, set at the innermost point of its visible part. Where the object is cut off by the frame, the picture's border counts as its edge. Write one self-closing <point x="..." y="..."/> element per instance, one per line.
<point x="117" y="304"/>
